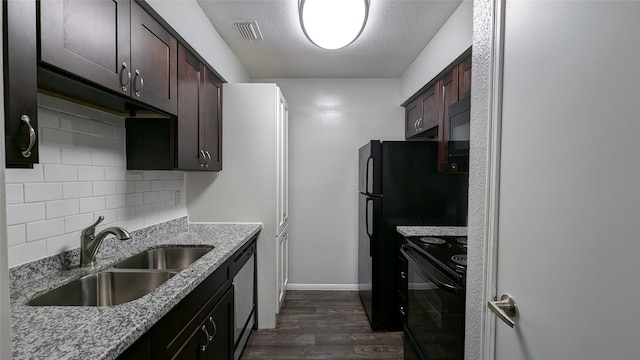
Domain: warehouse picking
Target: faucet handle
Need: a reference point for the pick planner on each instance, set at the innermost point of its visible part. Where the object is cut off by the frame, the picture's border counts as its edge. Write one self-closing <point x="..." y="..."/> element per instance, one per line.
<point x="91" y="230"/>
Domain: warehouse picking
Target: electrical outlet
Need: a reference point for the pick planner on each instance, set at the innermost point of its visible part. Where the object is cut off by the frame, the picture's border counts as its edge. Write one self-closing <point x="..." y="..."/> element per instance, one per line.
<point x="177" y="197"/>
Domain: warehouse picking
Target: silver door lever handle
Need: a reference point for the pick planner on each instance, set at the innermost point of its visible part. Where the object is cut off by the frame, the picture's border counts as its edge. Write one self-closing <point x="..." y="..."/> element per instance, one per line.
<point x="505" y="309"/>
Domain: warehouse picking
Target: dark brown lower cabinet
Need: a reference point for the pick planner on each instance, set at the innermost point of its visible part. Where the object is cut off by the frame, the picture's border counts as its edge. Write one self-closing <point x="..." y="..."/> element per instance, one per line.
<point x="213" y="338"/>
<point x="199" y="327"/>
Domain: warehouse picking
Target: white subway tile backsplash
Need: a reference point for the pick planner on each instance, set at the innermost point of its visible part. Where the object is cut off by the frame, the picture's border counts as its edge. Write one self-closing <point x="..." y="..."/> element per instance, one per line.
<point x="57" y="138"/>
<point x="115" y="201"/>
<point x="76" y="157"/>
<point x="24" y="253"/>
<point x="49" y="155"/>
<point x="135" y="199"/>
<point x="48" y="119"/>
<point x="25" y="175"/>
<point x="92" y="204"/>
<point x="90" y="173"/>
<point x="74" y="124"/>
<point x="24" y="213"/>
<point x="16" y="234"/>
<point x="53" y="172"/>
<point x="43" y="229"/>
<point x="42" y="192"/>
<point x="82" y="175"/>
<point x="100" y="158"/>
<point x="60" y="208"/>
<point x="142" y="186"/>
<point x="151" y="197"/>
<point x="15" y="193"/>
<point x="62" y="243"/>
<point x="87" y="142"/>
<point x="133" y="175"/>
<point x="114" y="173"/>
<point x="104" y="188"/>
<point x="102" y="129"/>
<point x="77" y="222"/>
<point x="77" y="189"/>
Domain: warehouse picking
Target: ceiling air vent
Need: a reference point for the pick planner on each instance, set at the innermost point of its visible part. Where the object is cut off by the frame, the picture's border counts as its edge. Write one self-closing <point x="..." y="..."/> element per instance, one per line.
<point x="248" y="30"/>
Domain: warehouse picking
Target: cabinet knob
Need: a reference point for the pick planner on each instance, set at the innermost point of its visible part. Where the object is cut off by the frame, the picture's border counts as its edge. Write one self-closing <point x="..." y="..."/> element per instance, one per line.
<point x="124" y="83"/>
<point x="137" y="90"/>
<point x="32" y="135"/>
<point x="454" y="166"/>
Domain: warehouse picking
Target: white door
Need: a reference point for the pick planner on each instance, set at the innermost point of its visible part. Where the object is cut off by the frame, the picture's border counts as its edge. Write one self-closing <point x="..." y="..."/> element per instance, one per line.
<point x="569" y="210"/>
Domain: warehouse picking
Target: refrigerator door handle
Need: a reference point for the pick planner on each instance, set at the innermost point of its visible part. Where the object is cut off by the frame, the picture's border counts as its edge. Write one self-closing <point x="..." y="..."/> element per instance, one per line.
<point x="366" y="176"/>
<point x="366" y="222"/>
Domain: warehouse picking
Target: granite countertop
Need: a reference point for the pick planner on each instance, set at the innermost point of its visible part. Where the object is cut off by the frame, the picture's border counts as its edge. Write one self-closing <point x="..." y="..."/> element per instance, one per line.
<point x="432" y="230"/>
<point x="89" y="332"/>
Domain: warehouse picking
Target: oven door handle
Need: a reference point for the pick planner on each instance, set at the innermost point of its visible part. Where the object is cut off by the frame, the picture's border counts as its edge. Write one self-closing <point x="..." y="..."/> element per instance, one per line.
<point x="452" y="288"/>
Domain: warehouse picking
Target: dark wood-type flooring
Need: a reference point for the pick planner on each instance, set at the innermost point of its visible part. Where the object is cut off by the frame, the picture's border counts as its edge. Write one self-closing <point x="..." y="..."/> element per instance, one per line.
<point x="323" y="325"/>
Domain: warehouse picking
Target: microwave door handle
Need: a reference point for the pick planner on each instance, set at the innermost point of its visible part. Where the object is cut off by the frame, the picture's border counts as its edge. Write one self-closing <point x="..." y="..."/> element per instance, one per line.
<point x="452" y="288"/>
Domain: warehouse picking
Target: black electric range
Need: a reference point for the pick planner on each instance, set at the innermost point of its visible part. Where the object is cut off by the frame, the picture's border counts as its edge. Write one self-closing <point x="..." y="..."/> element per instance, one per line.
<point x="433" y="300"/>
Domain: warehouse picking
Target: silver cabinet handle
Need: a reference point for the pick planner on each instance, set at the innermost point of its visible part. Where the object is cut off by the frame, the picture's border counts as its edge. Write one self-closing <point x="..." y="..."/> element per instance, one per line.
<point x="402" y="311"/>
<point x="215" y="328"/>
<point x="208" y="159"/>
<point x="125" y="70"/>
<point x="202" y="158"/>
<point x="32" y="135"/>
<point x="415" y="125"/>
<point x="135" y="89"/>
<point x="505" y="309"/>
<point x="403" y="275"/>
<point x="206" y="333"/>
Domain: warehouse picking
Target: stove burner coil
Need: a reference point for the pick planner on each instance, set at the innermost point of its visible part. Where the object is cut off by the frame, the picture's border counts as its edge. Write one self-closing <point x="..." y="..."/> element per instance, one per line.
<point x="432" y="240"/>
<point x="459" y="259"/>
<point x="462" y="241"/>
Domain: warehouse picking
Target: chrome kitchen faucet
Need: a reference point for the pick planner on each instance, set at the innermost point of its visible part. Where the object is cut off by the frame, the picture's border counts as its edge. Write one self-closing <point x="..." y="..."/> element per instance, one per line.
<point x="89" y="242"/>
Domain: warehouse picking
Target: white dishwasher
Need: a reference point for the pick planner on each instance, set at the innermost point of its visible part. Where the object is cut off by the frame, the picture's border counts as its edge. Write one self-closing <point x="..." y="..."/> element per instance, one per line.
<point x="244" y="303"/>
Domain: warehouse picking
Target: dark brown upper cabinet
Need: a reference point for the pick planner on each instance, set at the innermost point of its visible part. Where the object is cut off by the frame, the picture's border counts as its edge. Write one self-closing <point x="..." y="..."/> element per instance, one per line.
<point x="114" y="44"/>
<point x="193" y="139"/>
<point x="199" y="114"/>
<point x="426" y="113"/>
<point x="20" y="83"/>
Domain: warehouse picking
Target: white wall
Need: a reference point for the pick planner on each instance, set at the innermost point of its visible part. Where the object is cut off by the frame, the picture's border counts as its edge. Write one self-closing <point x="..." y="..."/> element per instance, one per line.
<point x="188" y="19"/>
<point x="329" y="119"/>
<point x="450" y="42"/>
<point x="82" y="175"/>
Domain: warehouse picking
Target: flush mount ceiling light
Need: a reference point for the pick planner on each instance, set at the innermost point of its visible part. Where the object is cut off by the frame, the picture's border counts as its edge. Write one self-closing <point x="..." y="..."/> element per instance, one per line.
<point x="333" y="24"/>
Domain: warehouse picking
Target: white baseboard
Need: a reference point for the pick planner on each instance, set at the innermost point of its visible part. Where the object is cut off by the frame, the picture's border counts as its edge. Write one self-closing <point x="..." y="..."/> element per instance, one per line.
<point x="333" y="287"/>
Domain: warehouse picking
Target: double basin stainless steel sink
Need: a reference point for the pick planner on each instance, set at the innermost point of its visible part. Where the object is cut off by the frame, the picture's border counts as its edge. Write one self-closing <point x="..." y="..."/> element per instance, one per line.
<point x="127" y="280"/>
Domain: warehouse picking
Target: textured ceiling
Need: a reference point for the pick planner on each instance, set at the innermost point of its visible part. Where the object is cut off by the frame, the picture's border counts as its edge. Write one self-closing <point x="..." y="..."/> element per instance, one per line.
<point x="396" y="32"/>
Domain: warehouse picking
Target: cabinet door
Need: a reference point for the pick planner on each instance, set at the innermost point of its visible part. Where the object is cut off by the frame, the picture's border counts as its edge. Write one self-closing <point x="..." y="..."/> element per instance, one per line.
<point x="464" y="78"/>
<point x="90" y="39"/>
<point x="282" y="167"/>
<point x="429" y="104"/>
<point x="213" y="338"/>
<point x="211" y="119"/>
<point x="20" y="83"/>
<point x="282" y="268"/>
<point x="413" y="115"/>
<point x="449" y="95"/>
<point x="190" y="73"/>
<point x="154" y="53"/>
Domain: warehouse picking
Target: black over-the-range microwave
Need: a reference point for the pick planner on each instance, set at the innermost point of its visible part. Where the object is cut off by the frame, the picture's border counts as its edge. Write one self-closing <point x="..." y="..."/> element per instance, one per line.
<point x="459" y="133"/>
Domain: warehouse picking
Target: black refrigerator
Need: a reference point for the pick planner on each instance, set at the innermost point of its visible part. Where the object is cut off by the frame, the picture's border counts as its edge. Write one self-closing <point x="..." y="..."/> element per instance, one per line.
<point x="399" y="185"/>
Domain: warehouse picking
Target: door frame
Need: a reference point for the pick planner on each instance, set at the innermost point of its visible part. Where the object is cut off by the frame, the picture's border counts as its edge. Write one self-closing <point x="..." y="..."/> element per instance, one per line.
<point x="484" y="176"/>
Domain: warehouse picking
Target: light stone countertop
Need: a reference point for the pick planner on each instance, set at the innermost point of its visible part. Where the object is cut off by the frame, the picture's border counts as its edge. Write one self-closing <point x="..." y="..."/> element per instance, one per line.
<point x="432" y="230"/>
<point x="89" y="332"/>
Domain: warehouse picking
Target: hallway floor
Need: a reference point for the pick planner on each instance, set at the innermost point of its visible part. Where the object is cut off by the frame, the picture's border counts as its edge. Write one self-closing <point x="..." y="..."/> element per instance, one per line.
<point x="323" y="325"/>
